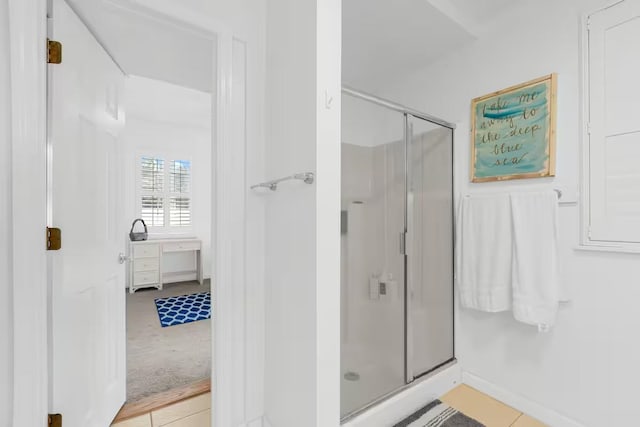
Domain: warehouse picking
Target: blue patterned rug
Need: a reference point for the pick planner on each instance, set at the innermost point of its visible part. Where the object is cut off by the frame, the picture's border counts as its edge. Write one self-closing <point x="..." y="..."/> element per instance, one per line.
<point x="184" y="308"/>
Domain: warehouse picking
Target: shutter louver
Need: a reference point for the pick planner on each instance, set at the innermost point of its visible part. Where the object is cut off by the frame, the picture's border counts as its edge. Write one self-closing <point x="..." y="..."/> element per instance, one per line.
<point x="152" y="211"/>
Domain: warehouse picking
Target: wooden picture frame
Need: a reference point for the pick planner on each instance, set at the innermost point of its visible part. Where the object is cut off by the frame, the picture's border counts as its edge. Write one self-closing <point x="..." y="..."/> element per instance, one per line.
<point x="513" y="132"/>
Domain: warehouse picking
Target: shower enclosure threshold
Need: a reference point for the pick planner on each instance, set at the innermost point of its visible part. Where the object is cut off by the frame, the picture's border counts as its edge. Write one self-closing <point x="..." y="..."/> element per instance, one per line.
<point x="416" y="382"/>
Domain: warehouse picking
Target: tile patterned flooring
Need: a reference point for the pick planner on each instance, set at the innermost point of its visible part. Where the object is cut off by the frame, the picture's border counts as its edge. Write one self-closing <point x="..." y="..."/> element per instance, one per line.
<point x="192" y="412"/>
<point x="486" y="409"/>
<point x="196" y="411"/>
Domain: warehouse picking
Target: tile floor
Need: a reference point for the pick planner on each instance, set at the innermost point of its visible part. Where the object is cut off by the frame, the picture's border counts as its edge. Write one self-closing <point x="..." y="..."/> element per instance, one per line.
<point x="196" y="412"/>
<point x="193" y="412"/>
<point x="487" y="410"/>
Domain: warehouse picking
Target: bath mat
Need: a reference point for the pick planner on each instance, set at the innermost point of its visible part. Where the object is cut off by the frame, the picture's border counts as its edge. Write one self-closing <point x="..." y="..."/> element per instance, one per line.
<point x="183" y="309"/>
<point x="438" y="414"/>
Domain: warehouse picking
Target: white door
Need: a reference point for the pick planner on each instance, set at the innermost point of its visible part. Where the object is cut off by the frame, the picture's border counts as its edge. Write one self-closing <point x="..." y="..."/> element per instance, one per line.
<point x="87" y="333"/>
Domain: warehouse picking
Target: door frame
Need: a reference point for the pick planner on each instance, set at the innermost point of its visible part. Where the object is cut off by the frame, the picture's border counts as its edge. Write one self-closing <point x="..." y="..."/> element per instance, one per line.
<point x="28" y="34"/>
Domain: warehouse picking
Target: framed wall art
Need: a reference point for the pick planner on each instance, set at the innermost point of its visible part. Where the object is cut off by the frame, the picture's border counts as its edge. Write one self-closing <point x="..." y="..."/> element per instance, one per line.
<point x="513" y="132"/>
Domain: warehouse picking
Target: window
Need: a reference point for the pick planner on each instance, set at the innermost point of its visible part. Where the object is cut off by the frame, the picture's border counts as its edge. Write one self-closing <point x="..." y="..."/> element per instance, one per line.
<point x="612" y="202"/>
<point x="165" y="193"/>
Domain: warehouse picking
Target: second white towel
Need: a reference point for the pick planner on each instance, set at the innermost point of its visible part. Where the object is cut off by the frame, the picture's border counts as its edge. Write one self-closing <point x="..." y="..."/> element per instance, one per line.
<point x="535" y="258"/>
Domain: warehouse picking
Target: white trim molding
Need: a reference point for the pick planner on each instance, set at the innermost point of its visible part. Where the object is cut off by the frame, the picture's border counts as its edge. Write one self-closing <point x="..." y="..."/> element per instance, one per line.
<point x="521" y="403"/>
<point x="28" y="40"/>
<point x="228" y="237"/>
<point x="584" y="131"/>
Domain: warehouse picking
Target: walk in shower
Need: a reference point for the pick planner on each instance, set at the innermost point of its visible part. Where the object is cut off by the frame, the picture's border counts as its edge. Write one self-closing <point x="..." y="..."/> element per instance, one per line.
<point x="396" y="248"/>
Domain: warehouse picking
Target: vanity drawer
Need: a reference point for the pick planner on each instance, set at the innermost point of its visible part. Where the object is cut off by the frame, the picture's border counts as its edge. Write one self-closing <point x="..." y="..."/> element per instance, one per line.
<point x="146" y="251"/>
<point x="146" y="264"/>
<point x="145" y="277"/>
<point x="181" y="246"/>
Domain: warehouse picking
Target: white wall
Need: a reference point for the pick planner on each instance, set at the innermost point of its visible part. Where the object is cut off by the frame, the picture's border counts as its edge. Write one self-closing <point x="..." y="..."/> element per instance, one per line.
<point x="290" y="383"/>
<point x="172" y="122"/>
<point x="6" y="260"/>
<point x="586" y="368"/>
<point x="302" y="221"/>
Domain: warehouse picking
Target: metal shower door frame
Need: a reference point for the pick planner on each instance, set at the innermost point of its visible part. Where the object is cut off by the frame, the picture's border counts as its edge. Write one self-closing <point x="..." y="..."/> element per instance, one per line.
<point x="409" y="374"/>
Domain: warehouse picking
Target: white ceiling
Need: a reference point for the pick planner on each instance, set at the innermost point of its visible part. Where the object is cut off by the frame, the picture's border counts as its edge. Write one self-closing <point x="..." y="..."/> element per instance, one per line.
<point x="383" y="40"/>
<point x="146" y="44"/>
<point x="156" y="101"/>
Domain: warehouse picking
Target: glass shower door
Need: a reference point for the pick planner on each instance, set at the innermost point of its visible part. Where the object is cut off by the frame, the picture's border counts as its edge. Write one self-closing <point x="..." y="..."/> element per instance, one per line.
<point x="373" y="267"/>
<point x="429" y="246"/>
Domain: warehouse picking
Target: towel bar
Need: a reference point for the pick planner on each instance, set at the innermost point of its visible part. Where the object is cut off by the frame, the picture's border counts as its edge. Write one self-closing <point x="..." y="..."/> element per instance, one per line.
<point x="307" y="177"/>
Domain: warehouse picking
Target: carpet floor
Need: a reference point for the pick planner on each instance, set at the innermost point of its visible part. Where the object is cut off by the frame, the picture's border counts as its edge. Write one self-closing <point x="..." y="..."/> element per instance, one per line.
<point x="159" y="359"/>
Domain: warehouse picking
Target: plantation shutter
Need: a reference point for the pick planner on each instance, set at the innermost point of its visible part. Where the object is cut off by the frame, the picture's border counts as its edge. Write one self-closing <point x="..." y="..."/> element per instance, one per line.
<point x="152" y="191"/>
<point x="180" y="193"/>
<point x="614" y="137"/>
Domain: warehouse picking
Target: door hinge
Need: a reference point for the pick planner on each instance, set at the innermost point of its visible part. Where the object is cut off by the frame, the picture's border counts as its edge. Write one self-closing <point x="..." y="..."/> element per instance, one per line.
<point x="55" y="420"/>
<point x="403" y="243"/>
<point x="55" y="52"/>
<point x="54" y="239"/>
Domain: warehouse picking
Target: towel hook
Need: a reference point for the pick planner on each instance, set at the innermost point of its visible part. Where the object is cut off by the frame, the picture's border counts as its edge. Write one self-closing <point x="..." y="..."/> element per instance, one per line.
<point x="558" y="192"/>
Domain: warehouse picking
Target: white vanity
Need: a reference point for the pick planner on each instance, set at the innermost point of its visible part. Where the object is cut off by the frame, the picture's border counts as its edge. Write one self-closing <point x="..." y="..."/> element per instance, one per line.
<point x="145" y="270"/>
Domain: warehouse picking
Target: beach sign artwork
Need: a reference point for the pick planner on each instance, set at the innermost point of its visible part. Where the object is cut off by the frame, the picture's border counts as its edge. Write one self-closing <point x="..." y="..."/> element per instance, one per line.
<point x="513" y="132"/>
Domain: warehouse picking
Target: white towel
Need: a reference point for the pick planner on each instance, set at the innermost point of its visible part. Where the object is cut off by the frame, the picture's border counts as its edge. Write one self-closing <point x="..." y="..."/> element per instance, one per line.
<point x="484" y="252"/>
<point x="535" y="258"/>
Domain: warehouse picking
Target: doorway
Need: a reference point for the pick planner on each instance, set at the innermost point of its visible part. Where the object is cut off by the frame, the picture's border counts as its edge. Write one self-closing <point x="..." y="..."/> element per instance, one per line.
<point x="167" y="157"/>
<point x="129" y="136"/>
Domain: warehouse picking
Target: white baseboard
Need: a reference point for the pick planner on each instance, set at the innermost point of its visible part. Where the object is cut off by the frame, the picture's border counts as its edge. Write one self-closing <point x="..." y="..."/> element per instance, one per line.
<point x="179" y="277"/>
<point x="529" y="407"/>
<point x="408" y="401"/>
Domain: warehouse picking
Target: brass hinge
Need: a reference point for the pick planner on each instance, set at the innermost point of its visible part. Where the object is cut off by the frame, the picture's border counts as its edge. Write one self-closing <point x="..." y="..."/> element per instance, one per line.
<point x="55" y="420"/>
<point x="54" y="239"/>
<point x="55" y="52"/>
